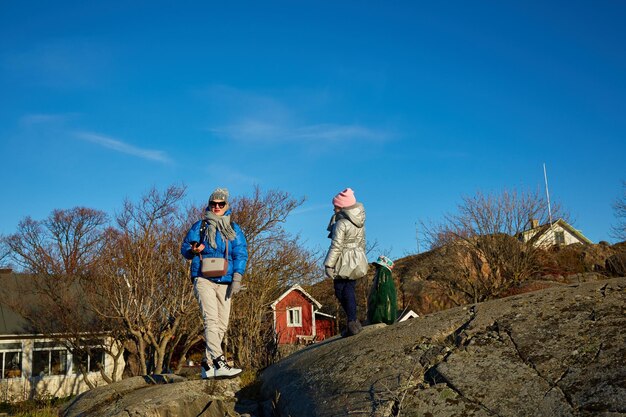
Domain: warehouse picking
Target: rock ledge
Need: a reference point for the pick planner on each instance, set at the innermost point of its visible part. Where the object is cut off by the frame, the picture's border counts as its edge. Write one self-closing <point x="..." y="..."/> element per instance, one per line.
<point x="555" y="352"/>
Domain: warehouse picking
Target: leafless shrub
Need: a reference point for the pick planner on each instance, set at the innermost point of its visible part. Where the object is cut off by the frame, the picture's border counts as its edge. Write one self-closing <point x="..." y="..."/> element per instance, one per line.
<point x="485" y="256"/>
<point x="618" y="231"/>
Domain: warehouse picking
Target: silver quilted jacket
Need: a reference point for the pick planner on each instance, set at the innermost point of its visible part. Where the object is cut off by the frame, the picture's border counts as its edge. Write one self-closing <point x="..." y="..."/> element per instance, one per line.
<point x="347" y="249"/>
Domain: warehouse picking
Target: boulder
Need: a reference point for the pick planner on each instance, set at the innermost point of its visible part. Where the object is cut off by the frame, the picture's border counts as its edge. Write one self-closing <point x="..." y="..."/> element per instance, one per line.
<point x="156" y="396"/>
<point x="616" y="264"/>
<point x="556" y="352"/>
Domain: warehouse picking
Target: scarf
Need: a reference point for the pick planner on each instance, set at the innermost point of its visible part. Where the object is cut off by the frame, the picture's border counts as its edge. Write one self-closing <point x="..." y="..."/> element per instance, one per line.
<point x="331" y="224"/>
<point x="221" y="223"/>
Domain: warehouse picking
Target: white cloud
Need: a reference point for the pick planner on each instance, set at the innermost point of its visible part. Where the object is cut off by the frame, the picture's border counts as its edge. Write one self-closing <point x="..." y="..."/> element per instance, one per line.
<point x="259" y="131"/>
<point x="252" y="130"/>
<point x="315" y="208"/>
<point x="229" y="175"/>
<point x="332" y="132"/>
<point x="35" y="119"/>
<point x="259" y="118"/>
<point x="62" y="62"/>
<point x="122" y="147"/>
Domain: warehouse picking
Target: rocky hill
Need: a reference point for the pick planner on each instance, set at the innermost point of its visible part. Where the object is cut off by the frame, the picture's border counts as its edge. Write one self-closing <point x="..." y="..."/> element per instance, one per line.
<point x="556" y="352"/>
<point x="429" y="281"/>
<point x="432" y="281"/>
<point x="560" y="351"/>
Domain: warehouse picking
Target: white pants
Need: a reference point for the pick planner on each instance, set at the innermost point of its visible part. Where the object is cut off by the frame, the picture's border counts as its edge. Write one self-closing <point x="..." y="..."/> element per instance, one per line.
<point x="215" y="308"/>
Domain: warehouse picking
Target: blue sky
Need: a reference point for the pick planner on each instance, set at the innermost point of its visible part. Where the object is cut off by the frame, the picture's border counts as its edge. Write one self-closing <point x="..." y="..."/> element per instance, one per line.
<point x="412" y="104"/>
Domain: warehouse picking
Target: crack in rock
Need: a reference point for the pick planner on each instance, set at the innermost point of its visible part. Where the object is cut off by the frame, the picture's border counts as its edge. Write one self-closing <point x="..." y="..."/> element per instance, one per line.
<point x="531" y="365"/>
<point x="561" y="376"/>
<point x="433" y="377"/>
<point x="595" y="357"/>
<point x="592" y="315"/>
<point x="458" y="337"/>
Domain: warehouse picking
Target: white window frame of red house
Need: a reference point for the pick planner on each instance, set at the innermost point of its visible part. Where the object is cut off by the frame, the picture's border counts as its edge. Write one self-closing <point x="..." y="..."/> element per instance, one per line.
<point x="290" y="321"/>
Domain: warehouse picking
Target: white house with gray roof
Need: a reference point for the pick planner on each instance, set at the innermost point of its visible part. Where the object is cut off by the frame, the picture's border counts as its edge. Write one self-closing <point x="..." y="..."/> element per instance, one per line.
<point x="34" y="365"/>
<point x="551" y="234"/>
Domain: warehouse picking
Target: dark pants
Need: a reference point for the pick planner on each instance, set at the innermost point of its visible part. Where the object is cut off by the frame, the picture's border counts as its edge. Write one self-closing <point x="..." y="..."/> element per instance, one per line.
<point x="344" y="291"/>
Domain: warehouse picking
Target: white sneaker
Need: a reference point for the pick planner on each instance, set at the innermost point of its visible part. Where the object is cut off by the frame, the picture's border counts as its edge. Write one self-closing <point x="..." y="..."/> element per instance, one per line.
<point x="223" y="370"/>
<point x="206" y="370"/>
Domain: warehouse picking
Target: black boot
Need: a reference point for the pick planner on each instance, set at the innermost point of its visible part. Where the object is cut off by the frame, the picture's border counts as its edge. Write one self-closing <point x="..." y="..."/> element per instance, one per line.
<point x="354" y="327"/>
<point x="206" y="370"/>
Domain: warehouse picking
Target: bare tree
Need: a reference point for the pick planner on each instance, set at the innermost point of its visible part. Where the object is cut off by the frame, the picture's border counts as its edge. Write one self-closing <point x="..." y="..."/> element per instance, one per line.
<point x="5" y="252"/>
<point x="485" y="255"/>
<point x="145" y="281"/>
<point x="276" y="261"/>
<point x="131" y="275"/>
<point x="65" y="243"/>
<point x="58" y="255"/>
<point x="618" y="231"/>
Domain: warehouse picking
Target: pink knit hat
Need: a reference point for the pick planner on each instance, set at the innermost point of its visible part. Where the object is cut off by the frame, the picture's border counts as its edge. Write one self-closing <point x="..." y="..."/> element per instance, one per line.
<point x="344" y="198"/>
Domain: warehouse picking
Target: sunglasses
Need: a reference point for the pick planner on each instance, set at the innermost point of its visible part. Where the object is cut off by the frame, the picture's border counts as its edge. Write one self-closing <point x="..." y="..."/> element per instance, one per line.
<point x="220" y="204"/>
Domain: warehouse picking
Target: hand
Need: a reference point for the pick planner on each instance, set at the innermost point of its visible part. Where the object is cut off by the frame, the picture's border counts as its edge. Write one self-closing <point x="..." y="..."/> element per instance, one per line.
<point x="197" y="248"/>
<point x="235" y="286"/>
<point x="329" y="272"/>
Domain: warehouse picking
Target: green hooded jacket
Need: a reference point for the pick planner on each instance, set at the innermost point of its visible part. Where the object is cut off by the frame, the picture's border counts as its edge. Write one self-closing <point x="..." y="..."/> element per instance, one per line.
<point x="382" y="305"/>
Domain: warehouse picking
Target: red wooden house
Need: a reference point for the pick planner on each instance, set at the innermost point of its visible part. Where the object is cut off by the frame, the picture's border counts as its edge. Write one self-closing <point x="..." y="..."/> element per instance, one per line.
<point x="297" y="319"/>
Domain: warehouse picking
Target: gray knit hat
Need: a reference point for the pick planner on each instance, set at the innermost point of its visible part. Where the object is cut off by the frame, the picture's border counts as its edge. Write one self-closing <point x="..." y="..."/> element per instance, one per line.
<point x="220" y="194"/>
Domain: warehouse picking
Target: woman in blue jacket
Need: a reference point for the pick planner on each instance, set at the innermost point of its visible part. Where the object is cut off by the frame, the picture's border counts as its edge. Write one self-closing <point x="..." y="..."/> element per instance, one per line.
<point x="216" y="236"/>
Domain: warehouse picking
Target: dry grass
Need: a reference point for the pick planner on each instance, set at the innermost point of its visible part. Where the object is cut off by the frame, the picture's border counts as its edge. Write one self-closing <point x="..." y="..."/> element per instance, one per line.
<point x="529" y="287"/>
<point x="33" y="408"/>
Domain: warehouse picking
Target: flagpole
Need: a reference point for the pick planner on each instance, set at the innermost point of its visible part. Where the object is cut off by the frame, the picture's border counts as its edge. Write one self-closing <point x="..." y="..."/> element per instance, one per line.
<point x="545" y="176"/>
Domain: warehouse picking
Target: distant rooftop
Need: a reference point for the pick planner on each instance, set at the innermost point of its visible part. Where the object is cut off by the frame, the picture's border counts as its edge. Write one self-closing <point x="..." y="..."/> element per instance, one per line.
<point x="22" y="288"/>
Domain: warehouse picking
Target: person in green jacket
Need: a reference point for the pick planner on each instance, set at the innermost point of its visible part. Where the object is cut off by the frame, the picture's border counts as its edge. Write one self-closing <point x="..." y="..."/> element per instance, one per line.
<point x="382" y="305"/>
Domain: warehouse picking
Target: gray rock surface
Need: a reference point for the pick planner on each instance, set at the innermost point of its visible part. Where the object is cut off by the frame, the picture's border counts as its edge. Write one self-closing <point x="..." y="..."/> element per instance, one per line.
<point x="157" y="396"/>
<point x="556" y="352"/>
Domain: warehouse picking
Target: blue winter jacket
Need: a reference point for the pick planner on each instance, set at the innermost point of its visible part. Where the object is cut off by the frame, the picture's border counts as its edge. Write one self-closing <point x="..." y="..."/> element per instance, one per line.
<point x="237" y="252"/>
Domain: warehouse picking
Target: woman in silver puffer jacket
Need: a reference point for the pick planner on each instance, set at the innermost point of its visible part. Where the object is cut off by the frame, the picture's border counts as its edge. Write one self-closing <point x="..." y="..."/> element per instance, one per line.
<point x="346" y="260"/>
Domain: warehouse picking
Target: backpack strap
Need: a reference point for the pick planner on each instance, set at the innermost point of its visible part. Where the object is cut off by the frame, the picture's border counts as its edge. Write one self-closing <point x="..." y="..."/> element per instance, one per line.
<point x="203" y="229"/>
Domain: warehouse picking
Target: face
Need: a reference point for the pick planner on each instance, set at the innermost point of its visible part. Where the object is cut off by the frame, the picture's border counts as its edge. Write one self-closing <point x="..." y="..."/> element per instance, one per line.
<point x="218" y="207"/>
<point x="336" y="209"/>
